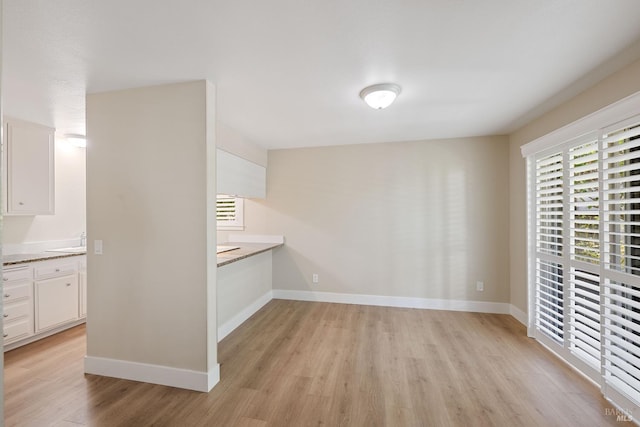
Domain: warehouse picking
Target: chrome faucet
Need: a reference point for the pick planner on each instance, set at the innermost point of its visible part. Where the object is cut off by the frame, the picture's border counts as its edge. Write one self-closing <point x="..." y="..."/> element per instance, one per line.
<point x="83" y="239"/>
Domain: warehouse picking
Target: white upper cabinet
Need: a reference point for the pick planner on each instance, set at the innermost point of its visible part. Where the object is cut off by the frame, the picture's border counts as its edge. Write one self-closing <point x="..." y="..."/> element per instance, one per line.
<point x="239" y="177"/>
<point x="29" y="169"/>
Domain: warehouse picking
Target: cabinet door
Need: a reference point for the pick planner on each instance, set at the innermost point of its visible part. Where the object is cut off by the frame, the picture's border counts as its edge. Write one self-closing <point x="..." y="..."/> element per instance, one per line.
<point x="56" y="301"/>
<point x="30" y="169"/>
<point x="236" y="176"/>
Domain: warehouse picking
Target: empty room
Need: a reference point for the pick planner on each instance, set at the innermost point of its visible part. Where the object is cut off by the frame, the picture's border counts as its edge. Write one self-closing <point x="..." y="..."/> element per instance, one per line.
<point x="320" y="213"/>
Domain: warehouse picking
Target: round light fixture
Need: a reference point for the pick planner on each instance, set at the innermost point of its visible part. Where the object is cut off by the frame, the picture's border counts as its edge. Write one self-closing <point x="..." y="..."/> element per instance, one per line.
<point x="381" y="95"/>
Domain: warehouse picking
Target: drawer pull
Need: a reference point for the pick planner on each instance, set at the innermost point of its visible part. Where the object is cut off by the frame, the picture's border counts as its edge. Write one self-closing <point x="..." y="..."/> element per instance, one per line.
<point x="21" y="203"/>
<point x="5" y="335"/>
<point x="7" y="295"/>
<point x="5" y="315"/>
<point x="57" y="270"/>
<point x="68" y="284"/>
<point x="5" y="278"/>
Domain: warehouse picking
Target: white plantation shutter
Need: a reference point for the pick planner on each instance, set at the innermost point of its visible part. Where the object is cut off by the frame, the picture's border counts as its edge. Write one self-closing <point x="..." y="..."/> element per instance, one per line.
<point x="549" y="293"/>
<point x="584" y="228"/>
<point x="621" y="183"/>
<point x="549" y="206"/>
<point x="550" y="299"/>
<point x="584" y="317"/>
<point x="584" y="243"/>
<point x="229" y="213"/>
<point x="584" y="202"/>
<point x="621" y="340"/>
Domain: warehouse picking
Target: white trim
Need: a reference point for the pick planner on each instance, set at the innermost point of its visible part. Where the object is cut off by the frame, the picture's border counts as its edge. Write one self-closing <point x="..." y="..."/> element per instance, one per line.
<point x="390" y="301"/>
<point x="154" y="374"/>
<point x="531" y="247"/>
<point x="246" y="313"/>
<point x="565" y="357"/>
<point x="612" y="113"/>
<point x="519" y="315"/>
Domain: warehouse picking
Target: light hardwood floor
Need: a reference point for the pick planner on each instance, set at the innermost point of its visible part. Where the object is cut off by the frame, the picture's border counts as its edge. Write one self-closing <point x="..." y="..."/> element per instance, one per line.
<point x="305" y="363"/>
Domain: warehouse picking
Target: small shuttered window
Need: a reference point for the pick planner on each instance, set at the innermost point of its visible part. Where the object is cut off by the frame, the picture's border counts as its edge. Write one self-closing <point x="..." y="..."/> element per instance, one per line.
<point x="229" y="213"/>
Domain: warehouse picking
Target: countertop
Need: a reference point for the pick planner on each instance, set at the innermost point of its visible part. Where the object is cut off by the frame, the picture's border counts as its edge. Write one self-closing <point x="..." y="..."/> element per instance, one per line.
<point x="245" y="250"/>
<point x="40" y="256"/>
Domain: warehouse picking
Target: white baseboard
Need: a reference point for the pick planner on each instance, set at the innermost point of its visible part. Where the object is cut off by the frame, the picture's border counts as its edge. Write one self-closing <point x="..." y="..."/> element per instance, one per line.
<point x="154" y="374"/>
<point x="247" y="312"/>
<point x="520" y="315"/>
<point x="388" y="301"/>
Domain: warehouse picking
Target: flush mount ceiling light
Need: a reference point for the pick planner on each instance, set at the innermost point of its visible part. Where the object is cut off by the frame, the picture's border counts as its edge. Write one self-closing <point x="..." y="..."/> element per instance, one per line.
<point x="381" y="95"/>
<point x="76" y="140"/>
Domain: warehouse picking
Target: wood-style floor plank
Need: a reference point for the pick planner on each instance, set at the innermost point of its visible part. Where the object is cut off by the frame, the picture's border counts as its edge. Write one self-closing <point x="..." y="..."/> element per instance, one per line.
<point x="316" y="364"/>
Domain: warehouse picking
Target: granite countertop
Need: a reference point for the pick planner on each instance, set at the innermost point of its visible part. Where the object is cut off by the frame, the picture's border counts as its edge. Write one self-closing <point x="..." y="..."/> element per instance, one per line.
<point x="40" y="256"/>
<point x="245" y="250"/>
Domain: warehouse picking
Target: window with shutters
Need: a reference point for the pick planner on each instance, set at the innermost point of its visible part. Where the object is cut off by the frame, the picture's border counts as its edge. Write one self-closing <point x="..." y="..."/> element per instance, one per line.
<point x="621" y="182"/>
<point x="585" y="255"/>
<point x="230" y="213"/>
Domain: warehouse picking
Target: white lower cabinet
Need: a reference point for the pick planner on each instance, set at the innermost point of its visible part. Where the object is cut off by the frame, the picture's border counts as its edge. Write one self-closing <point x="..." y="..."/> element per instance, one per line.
<point x="43" y="297"/>
<point x="56" y="301"/>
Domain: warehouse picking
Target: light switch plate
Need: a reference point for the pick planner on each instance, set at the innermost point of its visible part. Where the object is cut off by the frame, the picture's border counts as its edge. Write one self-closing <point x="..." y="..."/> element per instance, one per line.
<point x="97" y="247"/>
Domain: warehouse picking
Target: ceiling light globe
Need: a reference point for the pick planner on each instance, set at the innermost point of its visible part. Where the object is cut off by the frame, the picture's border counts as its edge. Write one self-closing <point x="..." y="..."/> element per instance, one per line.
<point x="380" y="96"/>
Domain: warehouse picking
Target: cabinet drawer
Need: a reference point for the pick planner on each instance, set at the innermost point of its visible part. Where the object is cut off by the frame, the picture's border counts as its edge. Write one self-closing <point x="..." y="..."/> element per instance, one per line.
<point x="15" y="292"/>
<point x="17" y="309"/>
<point x="55" y="270"/>
<point x="16" y="275"/>
<point x="16" y="330"/>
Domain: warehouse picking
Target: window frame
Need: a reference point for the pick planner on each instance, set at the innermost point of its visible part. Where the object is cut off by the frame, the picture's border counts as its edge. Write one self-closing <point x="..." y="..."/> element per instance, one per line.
<point x="563" y="140"/>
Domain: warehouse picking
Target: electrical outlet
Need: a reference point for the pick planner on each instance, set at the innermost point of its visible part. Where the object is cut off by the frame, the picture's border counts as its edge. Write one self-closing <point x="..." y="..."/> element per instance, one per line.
<point x="315" y="278"/>
<point x="479" y="286"/>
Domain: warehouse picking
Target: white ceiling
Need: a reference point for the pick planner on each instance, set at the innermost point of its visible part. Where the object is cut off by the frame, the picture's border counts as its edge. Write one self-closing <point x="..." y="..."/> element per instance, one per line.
<point x="288" y="72"/>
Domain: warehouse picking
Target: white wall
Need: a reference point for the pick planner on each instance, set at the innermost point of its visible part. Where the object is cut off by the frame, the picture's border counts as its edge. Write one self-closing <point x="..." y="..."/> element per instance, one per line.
<point x="422" y="219"/>
<point x="609" y="90"/>
<point x="70" y="204"/>
<point x="151" y="200"/>
<point x="232" y="141"/>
